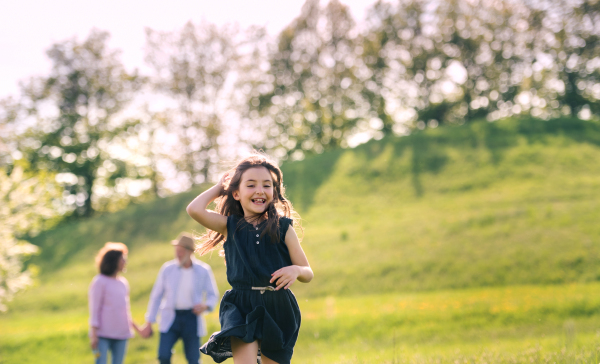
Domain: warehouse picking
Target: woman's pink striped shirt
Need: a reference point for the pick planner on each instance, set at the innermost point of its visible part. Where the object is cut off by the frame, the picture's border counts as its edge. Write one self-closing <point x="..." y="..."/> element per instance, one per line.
<point x="109" y="307"/>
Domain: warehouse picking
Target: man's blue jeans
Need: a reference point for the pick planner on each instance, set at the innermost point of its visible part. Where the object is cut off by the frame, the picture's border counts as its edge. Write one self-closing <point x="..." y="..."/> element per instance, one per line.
<point x="117" y="350"/>
<point x="185" y="327"/>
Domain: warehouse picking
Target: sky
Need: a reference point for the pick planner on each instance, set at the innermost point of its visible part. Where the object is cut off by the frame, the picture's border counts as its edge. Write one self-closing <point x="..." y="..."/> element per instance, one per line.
<point x="29" y="27"/>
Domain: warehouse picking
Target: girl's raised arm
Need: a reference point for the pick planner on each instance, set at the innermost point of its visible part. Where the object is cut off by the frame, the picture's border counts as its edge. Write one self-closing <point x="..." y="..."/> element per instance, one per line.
<point x="209" y="219"/>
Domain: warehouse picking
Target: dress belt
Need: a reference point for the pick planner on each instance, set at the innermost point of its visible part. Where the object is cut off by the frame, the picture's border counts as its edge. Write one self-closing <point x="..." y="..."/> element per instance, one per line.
<point x="261" y="289"/>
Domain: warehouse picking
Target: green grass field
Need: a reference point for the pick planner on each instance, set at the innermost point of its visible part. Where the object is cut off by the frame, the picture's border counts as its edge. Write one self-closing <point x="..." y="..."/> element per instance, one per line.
<point x="463" y="244"/>
<point x="502" y="323"/>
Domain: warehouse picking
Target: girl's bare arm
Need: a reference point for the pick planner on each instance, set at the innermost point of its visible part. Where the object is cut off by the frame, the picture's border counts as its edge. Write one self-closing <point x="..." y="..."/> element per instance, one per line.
<point x="299" y="270"/>
<point x="207" y="218"/>
<point x="305" y="273"/>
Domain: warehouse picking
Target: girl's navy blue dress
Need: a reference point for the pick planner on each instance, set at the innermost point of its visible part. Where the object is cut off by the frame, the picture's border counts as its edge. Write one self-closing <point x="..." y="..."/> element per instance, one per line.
<point x="273" y="316"/>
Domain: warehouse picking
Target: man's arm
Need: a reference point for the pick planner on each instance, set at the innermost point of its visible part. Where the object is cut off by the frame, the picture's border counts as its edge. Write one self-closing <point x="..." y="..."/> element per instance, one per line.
<point x="156" y="296"/>
<point x="206" y="284"/>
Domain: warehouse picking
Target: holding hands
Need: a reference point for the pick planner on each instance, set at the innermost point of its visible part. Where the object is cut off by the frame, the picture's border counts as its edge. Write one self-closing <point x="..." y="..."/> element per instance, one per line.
<point x="144" y="331"/>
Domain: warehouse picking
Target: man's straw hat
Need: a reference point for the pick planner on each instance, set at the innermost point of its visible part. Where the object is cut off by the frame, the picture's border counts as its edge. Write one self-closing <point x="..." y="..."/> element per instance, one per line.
<point x="185" y="240"/>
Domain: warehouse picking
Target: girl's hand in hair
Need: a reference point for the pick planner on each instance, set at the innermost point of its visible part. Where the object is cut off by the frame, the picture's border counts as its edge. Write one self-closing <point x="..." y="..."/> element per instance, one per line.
<point x="224" y="182"/>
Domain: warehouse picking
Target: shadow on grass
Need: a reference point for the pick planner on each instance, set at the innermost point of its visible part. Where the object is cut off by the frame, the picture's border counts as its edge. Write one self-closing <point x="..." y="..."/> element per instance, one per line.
<point x="429" y="148"/>
<point x="302" y="179"/>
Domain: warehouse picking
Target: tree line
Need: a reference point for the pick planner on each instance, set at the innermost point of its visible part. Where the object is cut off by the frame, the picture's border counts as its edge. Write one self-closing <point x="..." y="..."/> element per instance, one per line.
<point x="109" y="136"/>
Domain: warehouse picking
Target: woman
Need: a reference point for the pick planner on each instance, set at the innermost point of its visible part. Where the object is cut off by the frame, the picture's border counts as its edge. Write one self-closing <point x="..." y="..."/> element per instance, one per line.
<point x="110" y="315"/>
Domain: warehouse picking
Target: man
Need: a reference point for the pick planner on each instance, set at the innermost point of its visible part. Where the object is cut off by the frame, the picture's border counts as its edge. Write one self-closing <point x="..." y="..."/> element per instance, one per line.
<point x="184" y="289"/>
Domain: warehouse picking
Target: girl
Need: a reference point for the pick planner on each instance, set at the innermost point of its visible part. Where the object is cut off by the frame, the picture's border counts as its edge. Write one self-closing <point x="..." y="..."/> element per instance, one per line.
<point x="110" y="315"/>
<point x="263" y="257"/>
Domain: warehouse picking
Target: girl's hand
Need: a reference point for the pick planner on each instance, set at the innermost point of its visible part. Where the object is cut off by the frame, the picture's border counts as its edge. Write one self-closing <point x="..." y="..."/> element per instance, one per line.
<point x="285" y="277"/>
<point x="223" y="182"/>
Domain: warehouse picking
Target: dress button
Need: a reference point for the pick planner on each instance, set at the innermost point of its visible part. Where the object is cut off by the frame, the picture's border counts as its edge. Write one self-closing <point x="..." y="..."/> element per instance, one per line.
<point x="257" y="228"/>
<point x="257" y="235"/>
<point x="257" y="242"/>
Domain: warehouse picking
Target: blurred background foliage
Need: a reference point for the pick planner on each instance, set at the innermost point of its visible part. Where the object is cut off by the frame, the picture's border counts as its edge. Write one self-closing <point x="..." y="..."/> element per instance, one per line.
<point x="103" y="136"/>
<point x="326" y="81"/>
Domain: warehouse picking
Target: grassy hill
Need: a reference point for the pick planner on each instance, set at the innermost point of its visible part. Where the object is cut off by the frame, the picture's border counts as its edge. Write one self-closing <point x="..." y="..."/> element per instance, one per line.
<point x="438" y="218"/>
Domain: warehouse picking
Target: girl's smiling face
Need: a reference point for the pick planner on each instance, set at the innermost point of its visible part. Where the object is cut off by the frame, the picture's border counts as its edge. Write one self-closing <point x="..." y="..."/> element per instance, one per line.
<point x="256" y="191"/>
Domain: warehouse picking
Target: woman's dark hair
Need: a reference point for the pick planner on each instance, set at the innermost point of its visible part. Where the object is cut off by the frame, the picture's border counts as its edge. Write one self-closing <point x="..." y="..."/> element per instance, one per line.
<point x="227" y="205"/>
<point x="107" y="259"/>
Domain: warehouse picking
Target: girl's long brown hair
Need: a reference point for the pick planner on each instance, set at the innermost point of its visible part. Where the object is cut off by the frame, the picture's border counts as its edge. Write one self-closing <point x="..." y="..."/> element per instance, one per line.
<point x="227" y="205"/>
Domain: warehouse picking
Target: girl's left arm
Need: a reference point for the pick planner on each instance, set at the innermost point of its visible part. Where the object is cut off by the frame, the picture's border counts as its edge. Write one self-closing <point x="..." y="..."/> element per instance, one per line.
<point x="300" y="269"/>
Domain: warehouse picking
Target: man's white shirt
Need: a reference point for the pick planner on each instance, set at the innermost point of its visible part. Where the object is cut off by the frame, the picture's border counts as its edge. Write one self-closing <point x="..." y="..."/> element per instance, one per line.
<point x="185" y="290"/>
<point x="164" y="295"/>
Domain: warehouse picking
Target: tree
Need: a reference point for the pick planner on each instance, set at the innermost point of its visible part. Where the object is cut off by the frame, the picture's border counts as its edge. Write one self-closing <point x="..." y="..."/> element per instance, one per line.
<point x="454" y="61"/>
<point x="429" y="61"/>
<point x="26" y="207"/>
<point x="309" y="99"/>
<point x="193" y="67"/>
<point x="569" y="34"/>
<point x="9" y="112"/>
<point x="76" y="117"/>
